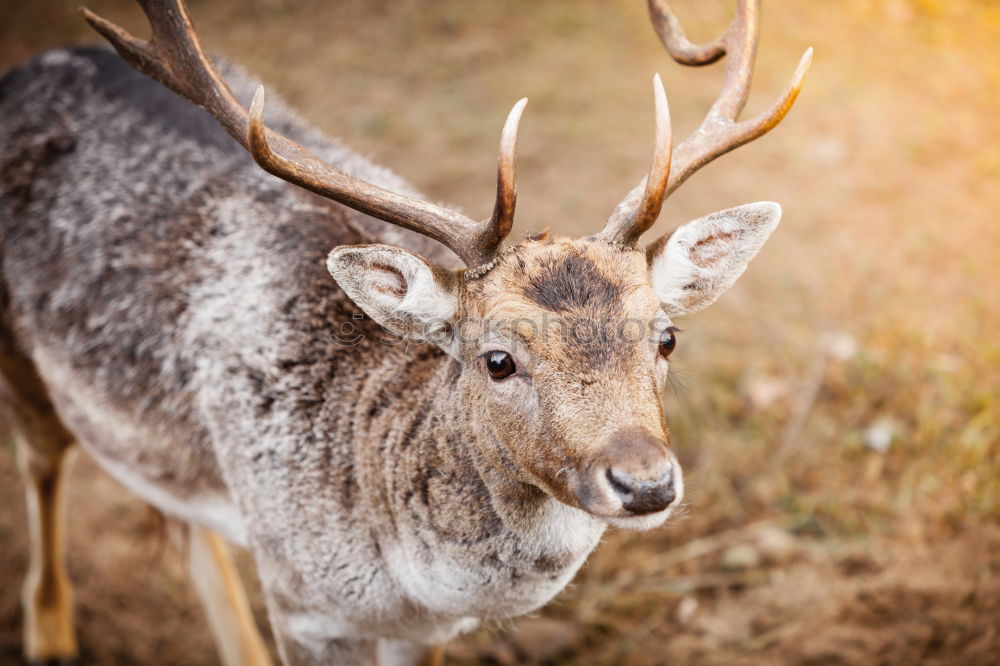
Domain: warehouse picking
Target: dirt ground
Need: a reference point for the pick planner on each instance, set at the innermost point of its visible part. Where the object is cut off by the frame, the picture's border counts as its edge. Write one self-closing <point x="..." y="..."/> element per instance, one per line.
<point x="838" y="412"/>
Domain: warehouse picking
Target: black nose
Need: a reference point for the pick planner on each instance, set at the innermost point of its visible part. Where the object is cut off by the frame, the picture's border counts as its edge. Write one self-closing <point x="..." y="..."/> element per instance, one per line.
<point x="642" y="496"/>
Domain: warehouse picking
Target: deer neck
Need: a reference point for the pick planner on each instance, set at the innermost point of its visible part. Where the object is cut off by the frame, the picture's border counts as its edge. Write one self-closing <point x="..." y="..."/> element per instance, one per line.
<point x="461" y="496"/>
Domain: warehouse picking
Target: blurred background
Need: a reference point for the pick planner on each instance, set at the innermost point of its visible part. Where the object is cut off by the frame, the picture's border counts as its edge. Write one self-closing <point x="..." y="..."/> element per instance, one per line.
<point x="838" y="412"/>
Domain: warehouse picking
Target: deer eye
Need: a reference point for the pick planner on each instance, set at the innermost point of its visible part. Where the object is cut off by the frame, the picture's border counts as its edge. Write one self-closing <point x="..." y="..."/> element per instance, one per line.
<point x="500" y="365"/>
<point x="668" y="340"/>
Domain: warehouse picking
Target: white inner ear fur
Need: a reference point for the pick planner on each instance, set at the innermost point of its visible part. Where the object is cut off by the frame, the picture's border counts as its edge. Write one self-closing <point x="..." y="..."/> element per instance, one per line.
<point x="400" y="290"/>
<point x="704" y="257"/>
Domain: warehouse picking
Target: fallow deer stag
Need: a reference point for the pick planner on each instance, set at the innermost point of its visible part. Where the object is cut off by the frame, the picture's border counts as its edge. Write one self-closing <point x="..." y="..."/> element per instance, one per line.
<point x="167" y="304"/>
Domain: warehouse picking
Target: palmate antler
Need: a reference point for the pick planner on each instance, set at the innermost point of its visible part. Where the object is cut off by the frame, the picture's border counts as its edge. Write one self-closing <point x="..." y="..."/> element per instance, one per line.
<point x="174" y="57"/>
<point x="720" y="131"/>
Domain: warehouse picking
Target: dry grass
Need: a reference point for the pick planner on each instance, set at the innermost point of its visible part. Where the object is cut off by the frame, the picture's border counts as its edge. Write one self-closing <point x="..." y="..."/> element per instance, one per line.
<point x="874" y="308"/>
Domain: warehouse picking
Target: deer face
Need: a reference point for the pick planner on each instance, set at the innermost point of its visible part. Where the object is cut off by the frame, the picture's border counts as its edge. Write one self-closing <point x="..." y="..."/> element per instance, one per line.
<point x="564" y="349"/>
<point x="566" y="366"/>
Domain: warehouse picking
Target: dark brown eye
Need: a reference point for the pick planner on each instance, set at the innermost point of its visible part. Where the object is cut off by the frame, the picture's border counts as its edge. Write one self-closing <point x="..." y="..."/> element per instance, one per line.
<point x="668" y="340"/>
<point x="500" y="365"/>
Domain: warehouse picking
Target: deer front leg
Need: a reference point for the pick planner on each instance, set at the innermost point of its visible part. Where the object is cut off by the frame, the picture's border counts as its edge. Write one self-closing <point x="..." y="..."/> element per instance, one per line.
<point x="225" y="601"/>
<point x="47" y="595"/>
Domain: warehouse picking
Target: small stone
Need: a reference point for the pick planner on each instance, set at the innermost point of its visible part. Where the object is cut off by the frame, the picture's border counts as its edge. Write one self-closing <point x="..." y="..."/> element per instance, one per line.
<point x="741" y="557"/>
<point x="829" y="151"/>
<point x="686" y="609"/>
<point x="764" y="392"/>
<point x="878" y="436"/>
<point x="840" y="346"/>
<point x="776" y="545"/>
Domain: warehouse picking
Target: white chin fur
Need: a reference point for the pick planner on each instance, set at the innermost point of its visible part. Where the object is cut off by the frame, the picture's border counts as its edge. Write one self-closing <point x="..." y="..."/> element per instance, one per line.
<point x="640" y="523"/>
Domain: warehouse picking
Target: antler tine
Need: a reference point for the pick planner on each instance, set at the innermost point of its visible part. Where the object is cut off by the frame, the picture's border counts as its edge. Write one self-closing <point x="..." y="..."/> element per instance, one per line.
<point x="719" y="133"/>
<point x="671" y="33"/>
<point x="175" y="58"/>
<point x="721" y="130"/>
<point x="639" y="209"/>
<point x="503" y="212"/>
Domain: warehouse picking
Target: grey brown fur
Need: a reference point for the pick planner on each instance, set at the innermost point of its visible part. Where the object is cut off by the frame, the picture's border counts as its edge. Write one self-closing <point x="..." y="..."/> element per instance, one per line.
<point x="154" y="275"/>
<point x="169" y="301"/>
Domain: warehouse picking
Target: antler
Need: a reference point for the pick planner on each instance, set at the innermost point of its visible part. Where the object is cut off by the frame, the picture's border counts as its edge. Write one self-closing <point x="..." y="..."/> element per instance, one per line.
<point x="634" y="215"/>
<point x="721" y="130"/>
<point x="175" y="58"/>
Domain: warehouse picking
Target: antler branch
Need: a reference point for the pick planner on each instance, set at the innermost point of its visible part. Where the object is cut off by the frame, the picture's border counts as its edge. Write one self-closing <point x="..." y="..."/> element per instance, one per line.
<point x="175" y="58"/>
<point x="720" y="131"/>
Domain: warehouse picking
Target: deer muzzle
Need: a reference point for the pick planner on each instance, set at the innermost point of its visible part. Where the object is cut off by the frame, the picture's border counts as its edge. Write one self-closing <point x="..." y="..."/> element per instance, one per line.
<point x="635" y="474"/>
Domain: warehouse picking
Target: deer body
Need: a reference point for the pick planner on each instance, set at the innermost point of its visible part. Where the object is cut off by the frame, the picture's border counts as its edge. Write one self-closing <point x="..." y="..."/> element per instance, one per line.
<point x="224" y="399"/>
<point x="451" y="456"/>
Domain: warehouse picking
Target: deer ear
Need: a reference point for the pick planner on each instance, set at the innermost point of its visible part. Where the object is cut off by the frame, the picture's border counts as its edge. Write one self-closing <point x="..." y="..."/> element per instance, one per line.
<point x="692" y="266"/>
<point x="402" y="291"/>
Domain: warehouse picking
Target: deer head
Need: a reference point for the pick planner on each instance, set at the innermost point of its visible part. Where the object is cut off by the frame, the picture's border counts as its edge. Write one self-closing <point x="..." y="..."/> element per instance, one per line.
<point x="563" y="344"/>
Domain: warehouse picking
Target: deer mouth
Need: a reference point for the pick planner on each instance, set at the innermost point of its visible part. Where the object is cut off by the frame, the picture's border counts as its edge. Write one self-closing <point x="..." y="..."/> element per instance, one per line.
<point x="615" y="513"/>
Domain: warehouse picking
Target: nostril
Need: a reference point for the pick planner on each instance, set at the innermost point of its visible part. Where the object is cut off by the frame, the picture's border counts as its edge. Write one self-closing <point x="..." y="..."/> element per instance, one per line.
<point x="667" y="493"/>
<point x="620" y="482"/>
<point x="642" y="497"/>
